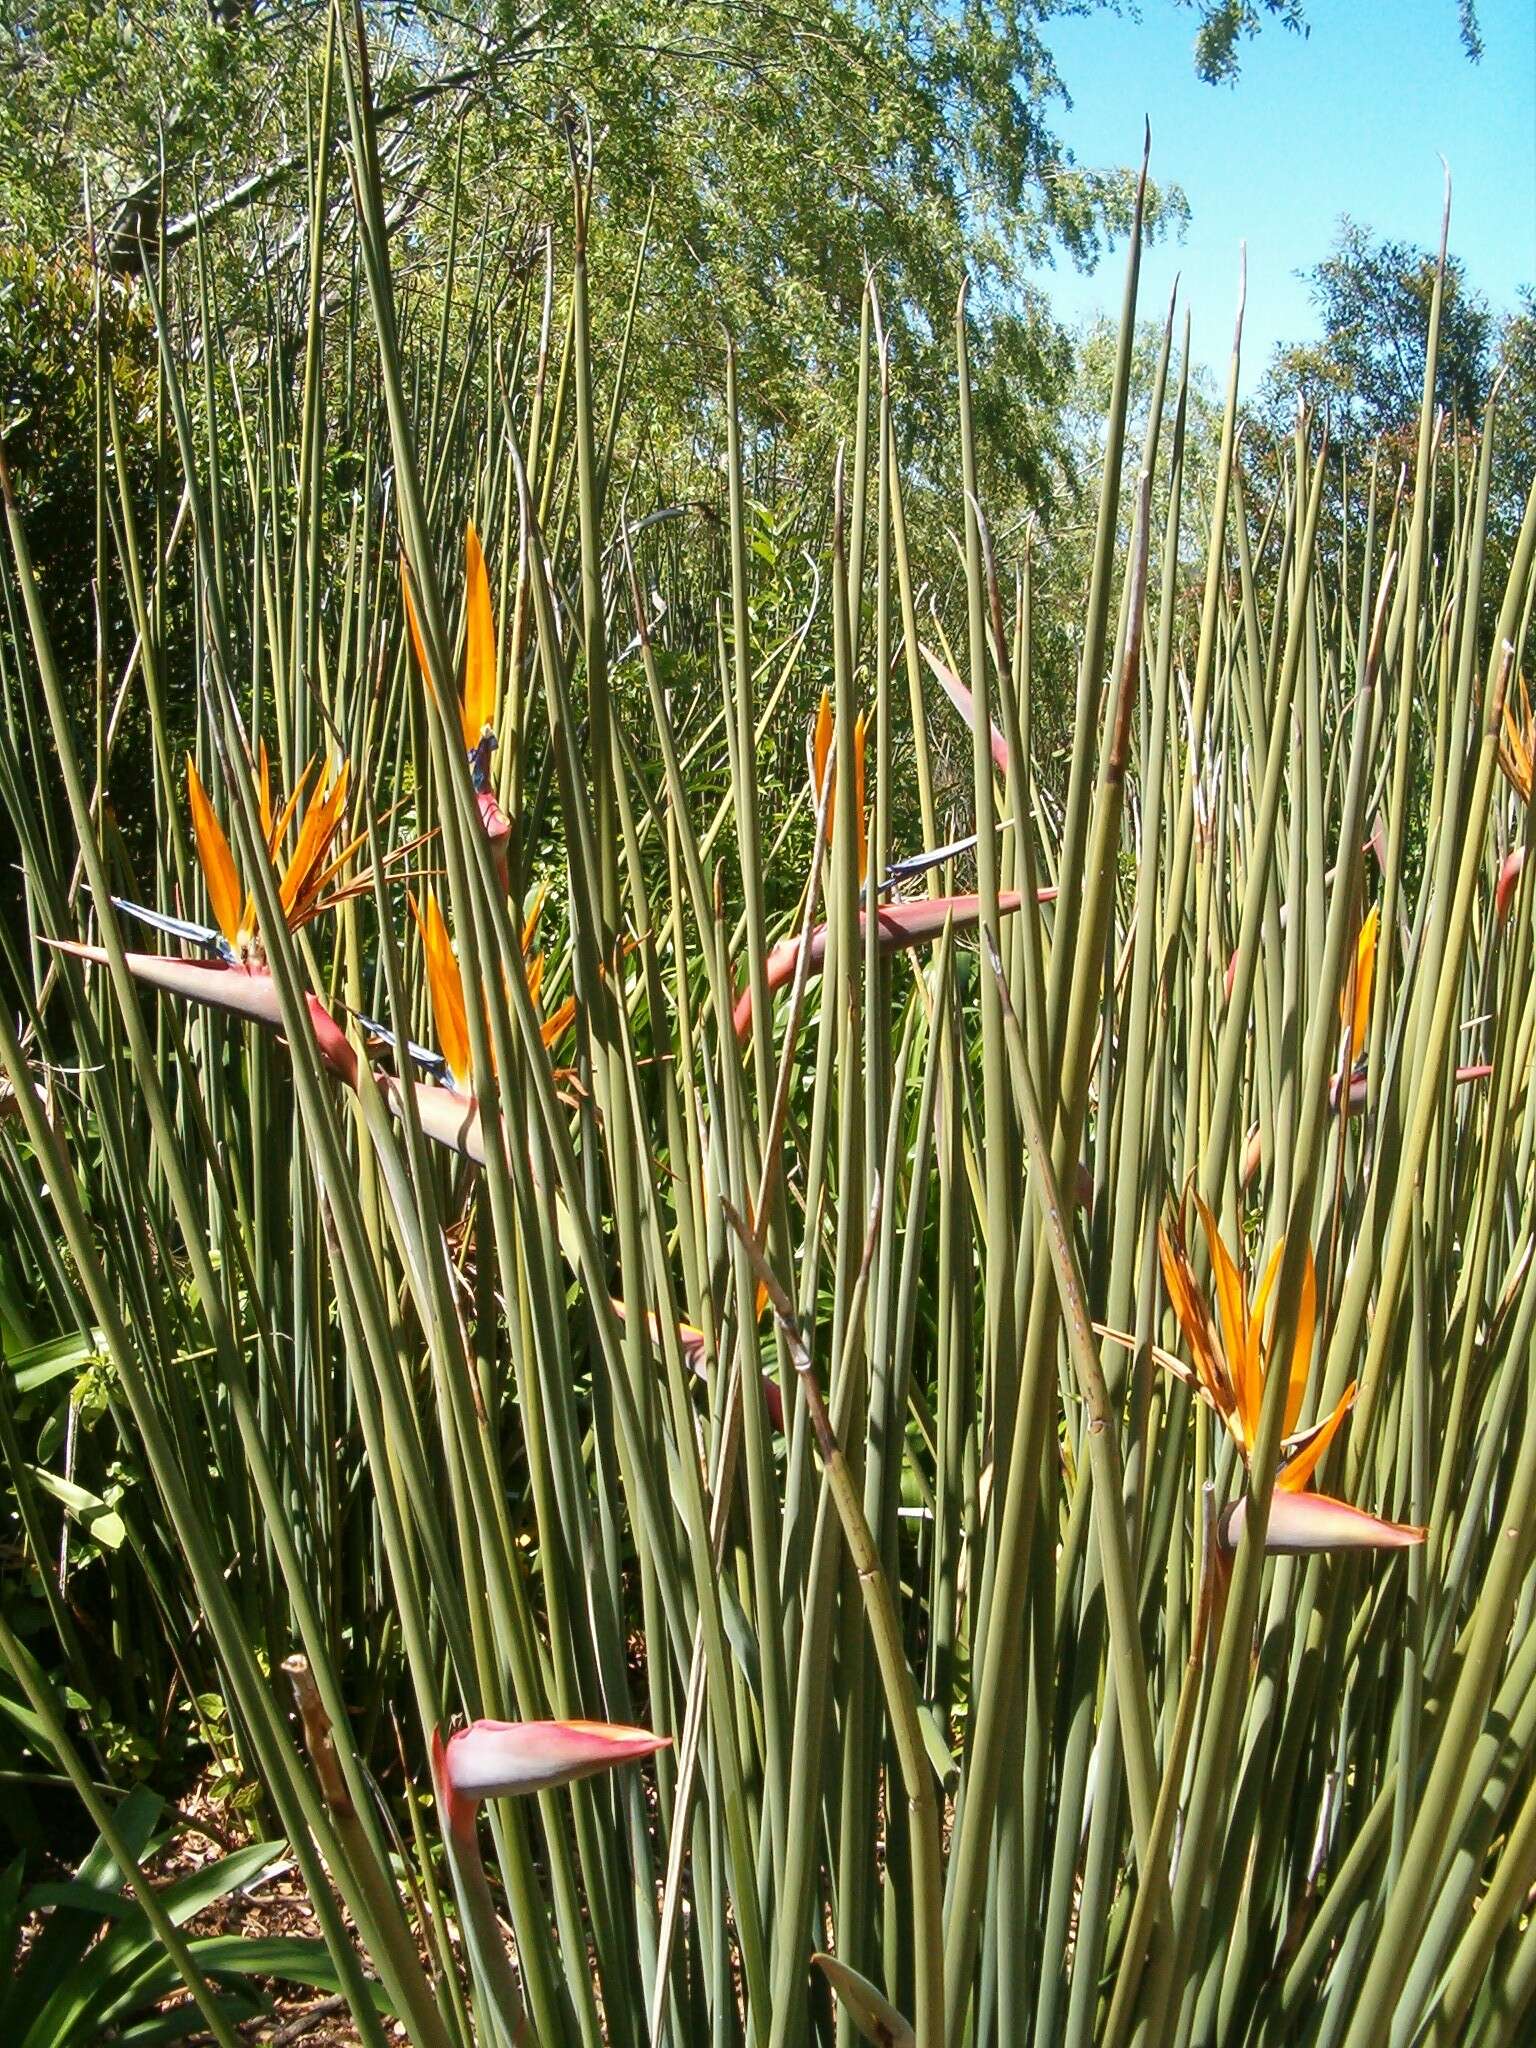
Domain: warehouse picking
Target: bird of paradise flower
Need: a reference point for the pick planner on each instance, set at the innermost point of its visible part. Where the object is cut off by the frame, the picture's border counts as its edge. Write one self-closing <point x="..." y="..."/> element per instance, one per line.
<point x="310" y="880"/>
<point x="309" y="877"/>
<point x="1233" y="1357"/>
<point x="514" y="1759"/>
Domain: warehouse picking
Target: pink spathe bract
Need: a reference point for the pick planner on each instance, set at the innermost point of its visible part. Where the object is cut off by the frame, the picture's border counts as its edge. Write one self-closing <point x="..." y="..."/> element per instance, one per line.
<point x="248" y="992"/>
<point x="897" y="926"/>
<point x="1301" y="1524"/>
<point x="504" y="1759"/>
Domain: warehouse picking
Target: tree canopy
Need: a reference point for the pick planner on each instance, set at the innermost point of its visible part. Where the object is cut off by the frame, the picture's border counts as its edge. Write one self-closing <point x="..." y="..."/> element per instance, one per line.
<point x="779" y="156"/>
<point x="1365" y="370"/>
<point x="784" y="154"/>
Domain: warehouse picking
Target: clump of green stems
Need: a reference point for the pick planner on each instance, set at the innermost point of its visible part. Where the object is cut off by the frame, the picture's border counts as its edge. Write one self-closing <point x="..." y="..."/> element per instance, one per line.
<point x="965" y="1684"/>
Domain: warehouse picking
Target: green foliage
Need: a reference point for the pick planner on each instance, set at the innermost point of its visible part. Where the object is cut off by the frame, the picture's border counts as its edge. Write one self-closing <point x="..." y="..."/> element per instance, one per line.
<point x="1002" y="1665"/>
<point x="1515" y="379"/>
<point x="65" y="338"/>
<point x="51" y="340"/>
<point x="1225" y="25"/>
<point x="783" y="158"/>
<point x="95" y="1970"/>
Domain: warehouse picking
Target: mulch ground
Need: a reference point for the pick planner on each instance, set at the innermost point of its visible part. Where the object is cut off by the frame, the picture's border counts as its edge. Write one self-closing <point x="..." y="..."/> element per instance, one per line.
<point x="276" y="1907"/>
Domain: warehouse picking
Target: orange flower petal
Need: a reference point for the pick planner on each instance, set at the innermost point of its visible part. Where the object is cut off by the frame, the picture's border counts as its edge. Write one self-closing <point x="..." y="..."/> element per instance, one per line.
<point x="279" y="830"/>
<point x="447" y="990"/>
<point x="1301" y="1349"/>
<point x="479" y="708"/>
<point x="556" y="1023"/>
<point x="822" y="747"/>
<point x="215" y="859"/>
<point x="1517" y="745"/>
<point x="1294" y="1474"/>
<point x="821" y="750"/>
<point x="1355" y="1001"/>
<point x="318" y="829"/>
<point x="323" y="880"/>
<point x="1241" y="1369"/>
<point x="531" y="921"/>
<point x="1192" y="1312"/>
<point x="1256" y="1357"/>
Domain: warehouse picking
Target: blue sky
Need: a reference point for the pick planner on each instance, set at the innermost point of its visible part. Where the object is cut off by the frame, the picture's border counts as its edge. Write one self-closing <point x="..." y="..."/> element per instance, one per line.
<point x="1353" y="118"/>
